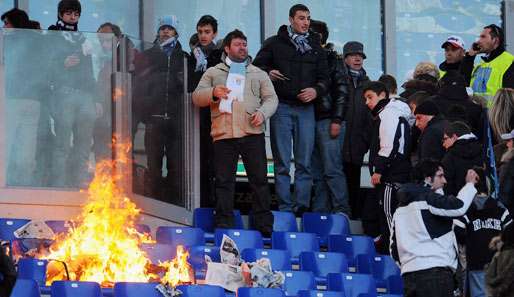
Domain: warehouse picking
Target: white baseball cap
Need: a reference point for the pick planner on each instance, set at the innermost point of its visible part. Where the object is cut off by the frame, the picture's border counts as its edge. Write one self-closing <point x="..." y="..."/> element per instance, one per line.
<point x="508" y="136"/>
<point x="455" y="41"/>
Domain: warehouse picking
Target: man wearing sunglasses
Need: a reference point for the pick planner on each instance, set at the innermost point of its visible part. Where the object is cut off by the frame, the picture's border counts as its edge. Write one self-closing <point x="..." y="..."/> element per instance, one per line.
<point x="496" y="70"/>
<point x="422" y="238"/>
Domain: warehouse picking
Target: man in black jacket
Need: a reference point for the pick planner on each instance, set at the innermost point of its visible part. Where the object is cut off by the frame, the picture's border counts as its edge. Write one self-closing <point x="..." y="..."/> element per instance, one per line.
<point x="357" y="117"/>
<point x="159" y="91"/>
<point x="464" y="152"/>
<point x="431" y="124"/>
<point x="330" y="189"/>
<point x="7" y="273"/>
<point x="205" y="54"/>
<point x="297" y="65"/>
<point x="75" y="104"/>
<point x="453" y="54"/>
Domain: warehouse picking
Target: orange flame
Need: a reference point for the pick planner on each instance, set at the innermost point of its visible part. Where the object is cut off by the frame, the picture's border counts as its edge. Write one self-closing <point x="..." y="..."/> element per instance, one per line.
<point x="104" y="245"/>
<point x="178" y="270"/>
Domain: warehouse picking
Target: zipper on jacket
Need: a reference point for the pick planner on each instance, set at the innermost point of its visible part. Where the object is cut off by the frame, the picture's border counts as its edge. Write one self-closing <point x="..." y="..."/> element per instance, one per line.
<point x="167" y="88"/>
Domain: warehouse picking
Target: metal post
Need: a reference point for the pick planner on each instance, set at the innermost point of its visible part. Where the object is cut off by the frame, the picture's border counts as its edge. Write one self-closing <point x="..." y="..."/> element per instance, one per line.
<point x="389" y="37"/>
<point x="508" y="24"/>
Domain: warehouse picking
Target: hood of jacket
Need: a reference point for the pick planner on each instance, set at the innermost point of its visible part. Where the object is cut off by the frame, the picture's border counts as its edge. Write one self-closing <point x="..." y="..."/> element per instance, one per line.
<point x="411" y="192"/>
<point x="398" y="107"/>
<point x="414" y="85"/>
<point x="468" y="149"/>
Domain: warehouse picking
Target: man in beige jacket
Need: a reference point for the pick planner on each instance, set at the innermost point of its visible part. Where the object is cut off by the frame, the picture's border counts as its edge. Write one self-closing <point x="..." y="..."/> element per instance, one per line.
<point x="238" y="129"/>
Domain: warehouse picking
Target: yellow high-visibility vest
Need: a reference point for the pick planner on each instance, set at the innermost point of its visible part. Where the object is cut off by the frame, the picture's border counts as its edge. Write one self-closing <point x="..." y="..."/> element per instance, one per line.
<point x="487" y="77"/>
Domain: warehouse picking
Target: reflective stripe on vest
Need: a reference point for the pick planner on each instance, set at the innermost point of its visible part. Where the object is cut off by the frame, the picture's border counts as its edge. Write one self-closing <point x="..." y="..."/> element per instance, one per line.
<point x="442" y="73"/>
<point x="487" y="77"/>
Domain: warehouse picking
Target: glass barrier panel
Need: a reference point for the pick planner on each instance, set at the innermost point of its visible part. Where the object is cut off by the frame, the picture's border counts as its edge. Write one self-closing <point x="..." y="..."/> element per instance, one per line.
<point x="57" y="106"/>
<point x="161" y="122"/>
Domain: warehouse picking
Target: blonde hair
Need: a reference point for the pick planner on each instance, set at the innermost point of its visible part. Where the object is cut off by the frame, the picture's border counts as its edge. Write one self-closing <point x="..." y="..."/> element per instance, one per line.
<point x="426" y="68"/>
<point x="501" y="114"/>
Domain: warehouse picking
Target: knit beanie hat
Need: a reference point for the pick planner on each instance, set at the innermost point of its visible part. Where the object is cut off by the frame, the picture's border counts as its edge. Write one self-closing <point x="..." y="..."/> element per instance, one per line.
<point x="427" y="108"/>
<point x="169" y="20"/>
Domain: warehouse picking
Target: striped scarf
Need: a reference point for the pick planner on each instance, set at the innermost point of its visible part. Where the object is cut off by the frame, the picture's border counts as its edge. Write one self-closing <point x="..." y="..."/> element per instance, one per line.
<point x="300" y="40"/>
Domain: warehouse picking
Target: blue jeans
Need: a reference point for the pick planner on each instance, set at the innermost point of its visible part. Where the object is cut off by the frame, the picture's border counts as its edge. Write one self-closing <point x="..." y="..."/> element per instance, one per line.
<point x="292" y="131"/>
<point x="330" y="189"/>
<point x="476" y="279"/>
<point x="74" y="115"/>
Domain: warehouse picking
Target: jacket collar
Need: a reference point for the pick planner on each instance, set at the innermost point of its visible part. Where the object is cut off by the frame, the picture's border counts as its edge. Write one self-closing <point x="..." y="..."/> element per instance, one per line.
<point x="494" y="54"/>
<point x="379" y="107"/>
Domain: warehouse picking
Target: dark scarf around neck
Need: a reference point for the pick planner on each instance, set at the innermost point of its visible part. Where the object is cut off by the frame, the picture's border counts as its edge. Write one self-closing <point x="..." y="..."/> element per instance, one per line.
<point x="63" y="26"/>
<point x="379" y="107"/>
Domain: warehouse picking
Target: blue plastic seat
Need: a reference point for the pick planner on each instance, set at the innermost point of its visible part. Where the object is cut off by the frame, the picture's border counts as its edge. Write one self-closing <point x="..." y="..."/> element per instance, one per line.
<point x="280" y="259"/>
<point x="352" y="246"/>
<point x="197" y="258"/>
<point x="159" y="252"/>
<point x="244" y="239"/>
<point x="203" y="218"/>
<point x="8" y="226"/>
<point x="325" y="224"/>
<point x="382" y="268"/>
<point x="129" y="289"/>
<point x="76" y="289"/>
<point x="35" y="269"/>
<point x="284" y="221"/>
<point x="352" y="284"/>
<point x="259" y="292"/>
<point x="295" y="243"/>
<point x="296" y="281"/>
<point x="313" y="293"/>
<point x="201" y="291"/>
<point x="25" y="288"/>
<point x="186" y="236"/>
<point x="395" y="284"/>
<point x="321" y="264"/>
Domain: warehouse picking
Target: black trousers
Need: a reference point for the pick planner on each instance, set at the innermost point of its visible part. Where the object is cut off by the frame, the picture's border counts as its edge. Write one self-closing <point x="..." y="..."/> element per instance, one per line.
<point x="353" y="179"/>
<point x="386" y="196"/>
<point x="162" y="139"/>
<point x="206" y="159"/>
<point x="253" y="152"/>
<point x="434" y="282"/>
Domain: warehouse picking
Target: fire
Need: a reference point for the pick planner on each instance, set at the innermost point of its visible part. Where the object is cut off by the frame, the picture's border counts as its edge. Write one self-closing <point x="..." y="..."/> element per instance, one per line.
<point x="178" y="270"/>
<point x="104" y="246"/>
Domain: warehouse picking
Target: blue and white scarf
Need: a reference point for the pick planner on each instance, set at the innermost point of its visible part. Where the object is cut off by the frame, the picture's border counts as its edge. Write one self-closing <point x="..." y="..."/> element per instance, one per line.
<point x="168" y="45"/>
<point x="300" y="40"/>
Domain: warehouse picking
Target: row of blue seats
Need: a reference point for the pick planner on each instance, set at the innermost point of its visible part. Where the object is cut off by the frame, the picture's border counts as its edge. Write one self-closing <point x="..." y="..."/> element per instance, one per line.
<point x="203" y="218"/>
<point x="340" y="285"/>
<point x="382" y="269"/>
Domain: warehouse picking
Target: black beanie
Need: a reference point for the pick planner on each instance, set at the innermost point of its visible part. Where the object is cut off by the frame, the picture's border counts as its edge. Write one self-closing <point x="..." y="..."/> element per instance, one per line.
<point x="427" y="108"/>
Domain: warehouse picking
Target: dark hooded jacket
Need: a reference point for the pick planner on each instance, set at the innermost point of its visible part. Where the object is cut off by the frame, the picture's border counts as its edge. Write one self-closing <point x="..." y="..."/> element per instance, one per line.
<point x="453" y="102"/>
<point x="160" y="82"/>
<point x="463" y="155"/>
<point x="332" y="105"/>
<point x="415" y="85"/>
<point x="308" y="70"/>
<point x="430" y="142"/>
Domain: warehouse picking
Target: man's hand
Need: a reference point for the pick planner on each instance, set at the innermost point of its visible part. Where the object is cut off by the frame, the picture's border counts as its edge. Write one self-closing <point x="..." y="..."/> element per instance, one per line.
<point x="276" y="75"/>
<point x="257" y="118"/>
<point x="335" y="129"/>
<point x="307" y="95"/>
<point x="71" y="61"/>
<point x="472" y="177"/>
<point x="221" y="92"/>
<point x="375" y="179"/>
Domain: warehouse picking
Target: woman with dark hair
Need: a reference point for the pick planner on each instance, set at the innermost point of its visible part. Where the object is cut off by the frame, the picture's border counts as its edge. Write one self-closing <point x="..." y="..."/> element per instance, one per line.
<point x="16" y="18"/>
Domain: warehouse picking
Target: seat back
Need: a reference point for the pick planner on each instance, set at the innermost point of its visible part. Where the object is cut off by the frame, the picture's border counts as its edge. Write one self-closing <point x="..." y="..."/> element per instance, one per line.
<point x="280" y="259"/>
<point x="313" y="293"/>
<point x="244" y="239"/>
<point x="203" y="218"/>
<point x="295" y="242"/>
<point x="321" y="264"/>
<point x="59" y="226"/>
<point x="325" y="224"/>
<point x="75" y="289"/>
<point x="351" y="246"/>
<point x="129" y="289"/>
<point x="159" y="251"/>
<point x="8" y="226"/>
<point x="186" y="236"/>
<point x="284" y="221"/>
<point x="197" y="256"/>
<point x="201" y="291"/>
<point x="26" y="288"/>
<point x="259" y="292"/>
<point x="296" y="281"/>
<point x="35" y="269"/>
<point x="352" y="284"/>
